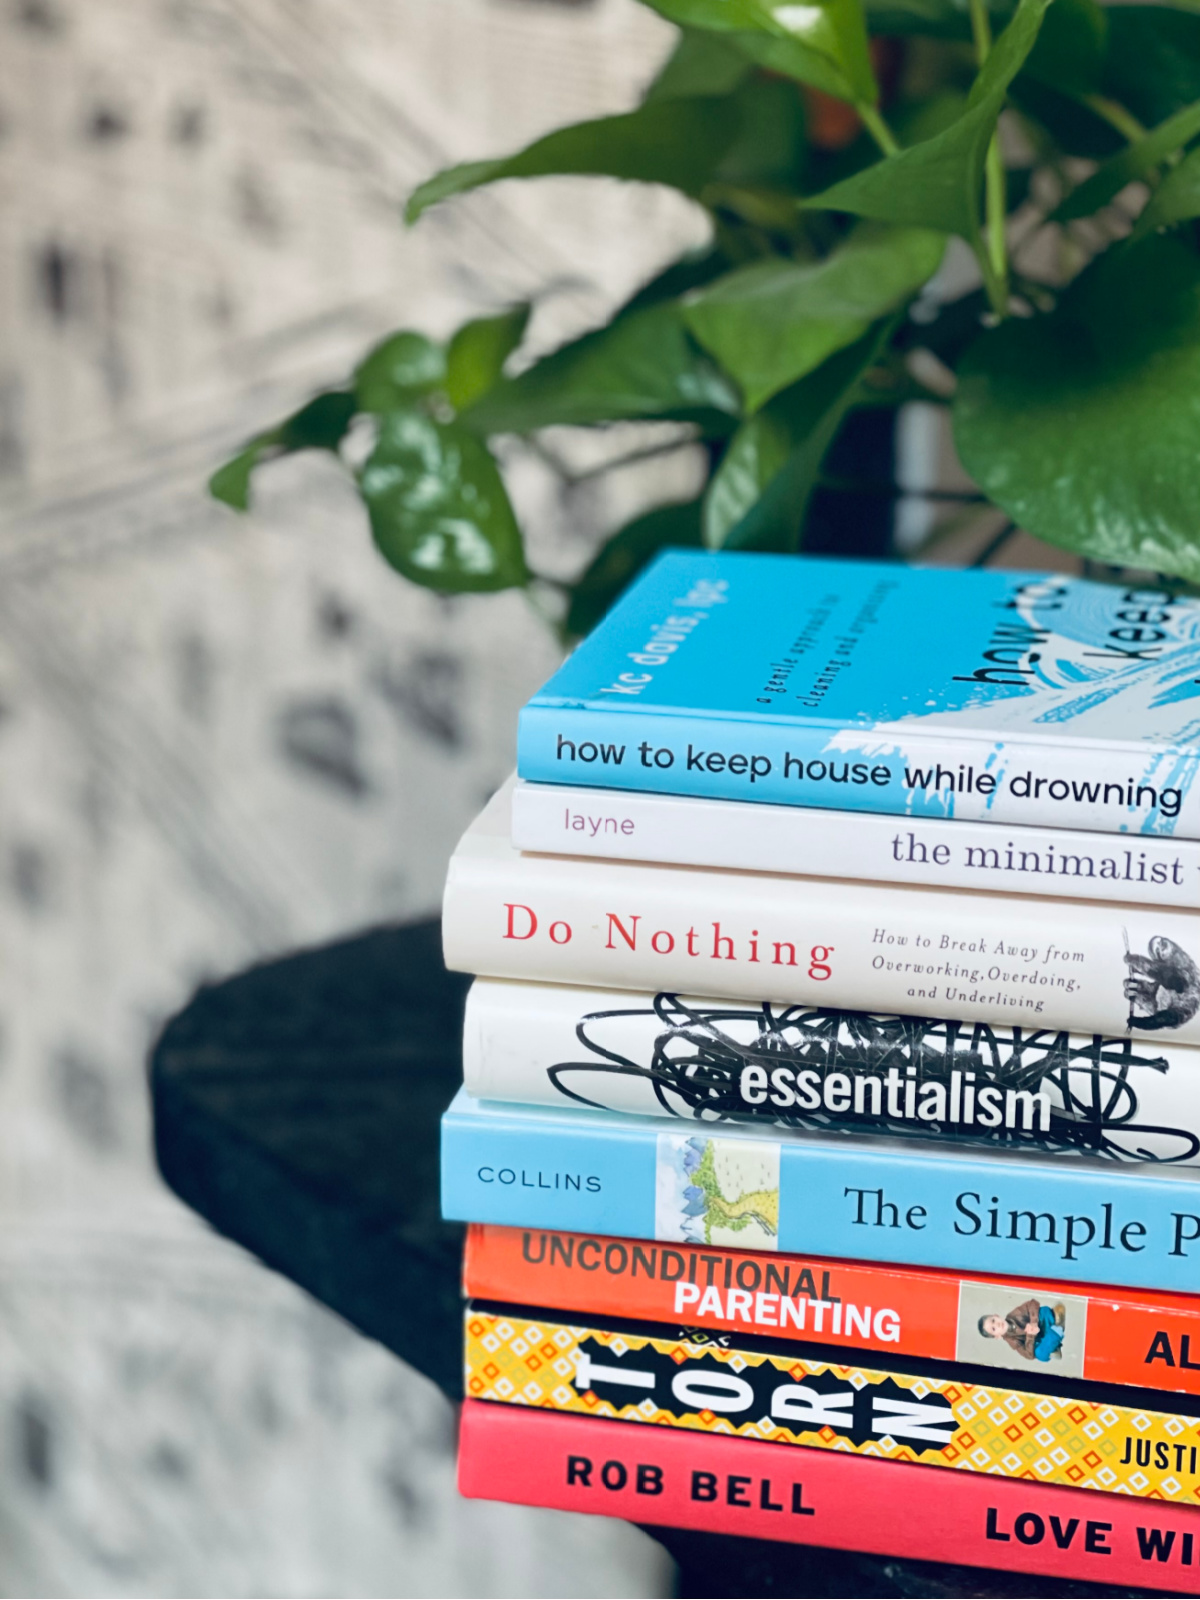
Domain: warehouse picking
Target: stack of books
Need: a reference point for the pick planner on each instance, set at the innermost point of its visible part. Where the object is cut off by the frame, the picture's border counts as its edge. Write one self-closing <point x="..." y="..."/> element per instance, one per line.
<point x="830" y="1139"/>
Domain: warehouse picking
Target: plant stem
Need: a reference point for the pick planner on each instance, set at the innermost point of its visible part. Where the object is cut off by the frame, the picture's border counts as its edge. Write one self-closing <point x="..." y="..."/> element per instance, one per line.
<point x="571" y="479"/>
<point x="994" y="260"/>
<point x="1115" y="114"/>
<point x="1128" y="126"/>
<point x="995" y="544"/>
<point x="995" y="279"/>
<point x="632" y="459"/>
<point x="878" y="129"/>
<point x="997" y="211"/>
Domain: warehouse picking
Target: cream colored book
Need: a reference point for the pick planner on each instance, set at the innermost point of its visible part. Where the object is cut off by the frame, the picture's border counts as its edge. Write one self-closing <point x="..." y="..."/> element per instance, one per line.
<point x="1097" y="967"/>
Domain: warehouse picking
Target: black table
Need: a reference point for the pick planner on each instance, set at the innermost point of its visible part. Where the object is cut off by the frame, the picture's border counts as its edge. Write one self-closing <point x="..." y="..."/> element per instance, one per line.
<point x="296" y="1108"/>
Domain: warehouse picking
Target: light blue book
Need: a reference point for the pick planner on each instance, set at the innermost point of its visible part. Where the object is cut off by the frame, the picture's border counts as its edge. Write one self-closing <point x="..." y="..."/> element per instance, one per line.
<point x="595" y="1172"/>
<point x="1010" y="697"/>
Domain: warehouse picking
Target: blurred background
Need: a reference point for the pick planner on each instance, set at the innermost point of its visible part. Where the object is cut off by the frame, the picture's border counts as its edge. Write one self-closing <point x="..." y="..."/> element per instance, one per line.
<point x="224" y="738"/>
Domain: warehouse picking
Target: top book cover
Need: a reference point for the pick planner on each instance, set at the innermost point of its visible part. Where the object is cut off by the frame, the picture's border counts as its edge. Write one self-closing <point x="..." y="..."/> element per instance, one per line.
<point x="1006" y="697"/>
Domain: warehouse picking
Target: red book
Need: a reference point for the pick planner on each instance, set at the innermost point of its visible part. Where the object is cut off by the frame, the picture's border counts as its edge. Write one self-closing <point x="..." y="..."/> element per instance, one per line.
<point x="678" y="1479"/>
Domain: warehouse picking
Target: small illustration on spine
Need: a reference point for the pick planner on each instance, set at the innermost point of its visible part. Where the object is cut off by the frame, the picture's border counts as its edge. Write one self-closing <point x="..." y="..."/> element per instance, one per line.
<point x="1163" y="986"/>
<point x="717" y="1191"/>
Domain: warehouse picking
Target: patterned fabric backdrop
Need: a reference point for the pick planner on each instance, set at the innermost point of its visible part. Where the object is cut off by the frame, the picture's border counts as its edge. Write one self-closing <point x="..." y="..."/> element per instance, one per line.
<point x="222" y="738"/>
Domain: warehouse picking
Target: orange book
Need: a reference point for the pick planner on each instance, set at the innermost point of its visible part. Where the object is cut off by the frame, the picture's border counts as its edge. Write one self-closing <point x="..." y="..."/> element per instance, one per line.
<point x="1122" y="1336"/>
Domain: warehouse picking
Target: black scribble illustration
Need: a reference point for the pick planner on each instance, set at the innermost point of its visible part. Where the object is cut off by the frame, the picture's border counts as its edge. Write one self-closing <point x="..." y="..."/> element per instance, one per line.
<point x="1163" y="988"/>
<point x="1039" y="1088"/>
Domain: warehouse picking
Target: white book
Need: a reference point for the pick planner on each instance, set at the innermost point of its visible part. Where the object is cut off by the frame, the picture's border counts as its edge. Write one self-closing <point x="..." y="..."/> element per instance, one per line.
<point x="630" y="825"/>
<point x="1007" y="1087"/>
<point x="1096" y="967"/>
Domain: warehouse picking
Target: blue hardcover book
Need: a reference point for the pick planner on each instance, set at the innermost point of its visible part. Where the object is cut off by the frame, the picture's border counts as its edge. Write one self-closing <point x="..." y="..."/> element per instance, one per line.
<point x="1010" y="697"/>
<point x="595" y="1172"/>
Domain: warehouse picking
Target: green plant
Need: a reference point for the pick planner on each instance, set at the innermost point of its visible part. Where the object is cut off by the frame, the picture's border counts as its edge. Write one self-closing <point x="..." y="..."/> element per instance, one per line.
<point x="1074" y="385"/>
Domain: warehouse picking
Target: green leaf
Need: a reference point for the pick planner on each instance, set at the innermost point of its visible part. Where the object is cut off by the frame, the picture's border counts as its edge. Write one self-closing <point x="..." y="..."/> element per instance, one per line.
<point x="1070" y="49"/>
<point x="320" y="424"/>
<point x="822" y="43"/>
<point x="1153" y="61"/>
<point x="756" y="454"/>
<point x="689" y="272"/>
<point x="936" y="19"/>
<point x="772" y="145"/>
<point x="644" y="364"/>
<point x="477" y="353"/>
<point x="771" y="322"/>
<point x="1135" y="161"/>
<point x="1084" y="425"/>
<point x="405" y="366"/>
<point x="759" y="494"/>
<point x="721" y="16"/>
<point x="673" y="141"/>
<point x="937" y="184"/>
<point x="1177" y="198"/>
<point x="925" y="118"/>
<point x="624" y="556"/>
<point x="230" y="483"/>
<point x="826" y="45"/>
<point x="439" y="510"/>
<point x="701" y="63"/>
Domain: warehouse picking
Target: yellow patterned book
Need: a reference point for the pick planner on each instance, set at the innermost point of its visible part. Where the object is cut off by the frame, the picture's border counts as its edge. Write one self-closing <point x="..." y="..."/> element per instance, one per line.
<point x="1080" y="1434"/>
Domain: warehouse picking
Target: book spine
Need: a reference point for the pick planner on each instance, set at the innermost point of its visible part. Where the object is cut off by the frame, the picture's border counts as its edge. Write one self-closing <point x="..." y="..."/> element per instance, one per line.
<point x="1109" y="1336"/>
<point x="714" y="1061"/>
<point x="892" y="768"/>
<point x="631" y="1178"/>
<point x="630" y="826"/>
<point x="671" y="1377"/>
<point x="853" y="946"/>
<point x="839" y="1502"/>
